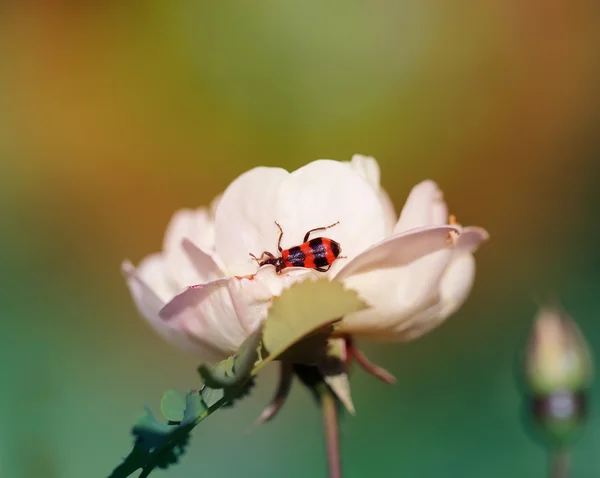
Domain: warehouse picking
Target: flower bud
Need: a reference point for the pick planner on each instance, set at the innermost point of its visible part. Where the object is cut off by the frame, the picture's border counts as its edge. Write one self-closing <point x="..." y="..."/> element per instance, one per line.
<point x="558" y="358"/>
<point x="558" y="370"/>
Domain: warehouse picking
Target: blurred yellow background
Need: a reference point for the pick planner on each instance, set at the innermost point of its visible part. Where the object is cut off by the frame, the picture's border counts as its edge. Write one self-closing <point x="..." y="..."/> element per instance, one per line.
<point x="115" y="114"/>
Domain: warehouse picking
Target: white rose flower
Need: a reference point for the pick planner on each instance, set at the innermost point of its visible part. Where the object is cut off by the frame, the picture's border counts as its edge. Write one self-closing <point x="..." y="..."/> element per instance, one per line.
<point x="205" y="294"/>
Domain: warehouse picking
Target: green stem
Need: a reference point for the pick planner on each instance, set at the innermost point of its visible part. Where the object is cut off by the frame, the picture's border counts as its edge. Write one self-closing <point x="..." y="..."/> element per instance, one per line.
<point x="331" y="429"/>
<point x="559" y="463"/>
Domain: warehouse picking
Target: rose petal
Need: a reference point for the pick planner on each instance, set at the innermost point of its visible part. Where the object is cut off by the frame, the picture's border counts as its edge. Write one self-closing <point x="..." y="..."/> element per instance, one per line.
<point x="424" y="206"/>
<point x="389" y="211"/>
<point x="394" y="319"/>
<point x="149" y="303"/>
<point x="429" y="275"/>
<point x="244" y="218"/>
<point x="252" y="296"/>
<point x="277" y="283"/>
<point x="390" y="306"/>
<point x="457" y="283"/>
<point x="214" y="204"/>
<point x="400" y="249"/>
<point x="206" y="312"/>
<point x="152" y="271"/>
<point x="416" y="325"/>
<point x="206" y="266"/>
<point x="367" y="166"/>
<point x="224" y="312"/>
<point x="196" y="226"/>
<point x="471" y="238"/>
<point x="455" y="287"/>
<point x="383" y="278"/>
<point x="422" y="277"/>
<point x="439" y="212"/>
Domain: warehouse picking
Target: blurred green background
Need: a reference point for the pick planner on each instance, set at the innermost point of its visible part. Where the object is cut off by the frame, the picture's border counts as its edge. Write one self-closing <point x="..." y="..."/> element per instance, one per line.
<point x="115" y="114"/>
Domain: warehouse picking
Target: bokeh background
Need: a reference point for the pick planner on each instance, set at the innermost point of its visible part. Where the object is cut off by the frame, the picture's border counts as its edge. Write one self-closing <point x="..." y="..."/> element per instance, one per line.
<point x="115" y="114"/>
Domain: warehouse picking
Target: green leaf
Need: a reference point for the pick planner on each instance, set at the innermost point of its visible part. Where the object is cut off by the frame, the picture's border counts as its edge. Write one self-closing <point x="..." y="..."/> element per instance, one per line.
<point x="212" y="396"/>
<point x="172" y="405"/>
<point x="305" y="309"/>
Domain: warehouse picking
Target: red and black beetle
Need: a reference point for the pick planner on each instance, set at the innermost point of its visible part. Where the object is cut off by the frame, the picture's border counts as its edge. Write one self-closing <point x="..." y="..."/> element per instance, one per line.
<point x="318" y="253"/>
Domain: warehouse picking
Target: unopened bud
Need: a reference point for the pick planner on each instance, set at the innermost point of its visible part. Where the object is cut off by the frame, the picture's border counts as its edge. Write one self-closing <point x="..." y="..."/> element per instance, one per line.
<point x="558" y="373"/>
<point x="558" y="357"/>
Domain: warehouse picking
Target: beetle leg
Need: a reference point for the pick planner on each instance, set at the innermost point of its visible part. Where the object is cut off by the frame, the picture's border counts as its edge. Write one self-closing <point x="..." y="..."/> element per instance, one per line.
<point x="259" y="259"/>
<point x="280" y="237"/>
<point x="255" y="258"/>
<point x="322" y="269"/>
<point x="319" y="229"/>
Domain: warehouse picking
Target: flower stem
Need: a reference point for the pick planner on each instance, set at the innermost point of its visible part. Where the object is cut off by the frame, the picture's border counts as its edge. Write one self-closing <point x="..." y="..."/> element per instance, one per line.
<point x="331" y="429"/>
<point x="559" y="464"/>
